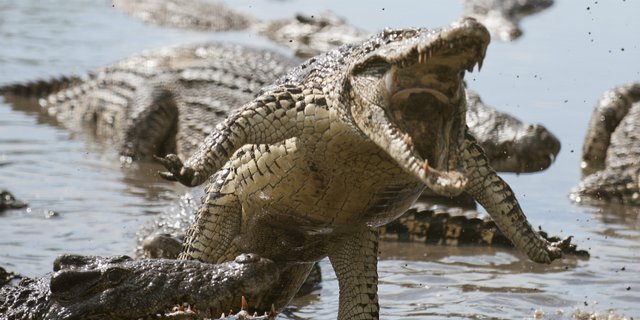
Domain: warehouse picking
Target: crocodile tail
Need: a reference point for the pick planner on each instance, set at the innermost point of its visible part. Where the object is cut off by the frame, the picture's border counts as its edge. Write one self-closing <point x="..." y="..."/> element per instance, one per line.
<point x="37" y="89"/>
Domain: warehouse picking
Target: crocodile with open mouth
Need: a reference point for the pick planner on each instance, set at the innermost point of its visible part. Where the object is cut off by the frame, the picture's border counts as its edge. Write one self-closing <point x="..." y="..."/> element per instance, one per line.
<point x="342" y="144"/>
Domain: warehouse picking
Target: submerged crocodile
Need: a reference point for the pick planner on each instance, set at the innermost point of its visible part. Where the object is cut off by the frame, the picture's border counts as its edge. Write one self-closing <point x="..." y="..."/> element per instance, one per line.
<point x="339" y="146"/>
<point x="8" y="201"/>
<point x="113" y="288"/>
<point x="309" y="35"/>
<point x="168" y="100"/>
<point x="610" y="168"/>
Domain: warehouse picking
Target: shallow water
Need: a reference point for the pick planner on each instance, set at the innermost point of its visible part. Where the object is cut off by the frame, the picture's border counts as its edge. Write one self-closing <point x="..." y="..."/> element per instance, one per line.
<point x="569" y="55"/>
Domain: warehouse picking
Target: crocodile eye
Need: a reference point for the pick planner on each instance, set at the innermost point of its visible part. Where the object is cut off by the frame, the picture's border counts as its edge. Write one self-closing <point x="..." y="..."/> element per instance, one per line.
<point x="115" y="275"/>
<point x="408" y="33"/>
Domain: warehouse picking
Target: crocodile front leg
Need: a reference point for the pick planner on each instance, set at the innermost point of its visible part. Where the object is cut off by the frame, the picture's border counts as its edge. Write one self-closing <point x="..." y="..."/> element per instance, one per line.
<point x="354" y="258"/>
<point x="270" y="118"/>
<point x="498" y="199"/>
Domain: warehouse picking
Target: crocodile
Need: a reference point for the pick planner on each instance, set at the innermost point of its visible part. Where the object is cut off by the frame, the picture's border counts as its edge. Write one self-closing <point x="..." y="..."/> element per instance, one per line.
<point x="502" y="18"/>
<point x="118" y="287"/>
<point x="159" y="101"/>
<point x="8" y="201"/>
<point x="125" y="103"/>
<point x="610" y="170"/>
<point x="309" y="35"/>
<point x="342" y="144"/>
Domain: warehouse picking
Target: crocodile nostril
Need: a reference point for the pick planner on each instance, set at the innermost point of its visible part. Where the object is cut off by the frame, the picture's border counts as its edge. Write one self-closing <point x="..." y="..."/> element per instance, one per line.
<point x="247" y="258"/>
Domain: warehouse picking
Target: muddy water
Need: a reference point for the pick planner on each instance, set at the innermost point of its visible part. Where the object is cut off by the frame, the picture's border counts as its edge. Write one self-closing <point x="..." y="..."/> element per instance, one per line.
<point x="82" y="200"/>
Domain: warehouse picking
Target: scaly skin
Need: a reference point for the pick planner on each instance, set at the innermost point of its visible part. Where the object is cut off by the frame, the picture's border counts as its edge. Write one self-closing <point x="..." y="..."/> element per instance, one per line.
<point x="455" y="227"/>
<point x="88" y="287"/>
<point x="610" y="170"/>
<point x="509" y="144"/>
<point x="161" y="101"/>
<point x="343" y="144"/>
<point x="163" y="237"/>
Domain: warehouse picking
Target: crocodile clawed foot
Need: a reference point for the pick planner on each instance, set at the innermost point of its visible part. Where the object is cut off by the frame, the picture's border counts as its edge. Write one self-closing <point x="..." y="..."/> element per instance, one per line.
<point x="564" y="243"/>
<point x="176" y="171"/>
<point x="557" y="248"/>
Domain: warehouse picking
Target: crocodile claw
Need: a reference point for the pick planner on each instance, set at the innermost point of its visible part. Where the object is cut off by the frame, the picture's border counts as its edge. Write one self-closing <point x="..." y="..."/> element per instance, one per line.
<point x="557" y="248"/>
<point x="177" y="171"/>
<point x="564" y="245"/>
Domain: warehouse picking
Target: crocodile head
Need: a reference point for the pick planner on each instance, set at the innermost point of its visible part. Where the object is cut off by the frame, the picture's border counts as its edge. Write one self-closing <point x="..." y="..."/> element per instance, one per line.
<point x="89" y="287"/>
<point x="509" y="144"/>
<point x="407" y="95"/>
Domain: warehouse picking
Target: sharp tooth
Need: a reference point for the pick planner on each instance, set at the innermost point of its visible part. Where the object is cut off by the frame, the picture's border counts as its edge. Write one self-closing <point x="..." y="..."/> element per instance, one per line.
<point x="480" y="64"/>
<point x="389" y="79"/>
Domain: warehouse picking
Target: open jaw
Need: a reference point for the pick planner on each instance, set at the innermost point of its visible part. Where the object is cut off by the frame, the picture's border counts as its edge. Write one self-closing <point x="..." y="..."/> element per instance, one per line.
<point x="410" y="100"/>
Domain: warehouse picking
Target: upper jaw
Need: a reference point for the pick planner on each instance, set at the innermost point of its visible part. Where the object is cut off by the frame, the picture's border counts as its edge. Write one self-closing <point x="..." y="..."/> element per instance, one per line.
<point x="465" y="39"/>
<point x="419" y="103"/>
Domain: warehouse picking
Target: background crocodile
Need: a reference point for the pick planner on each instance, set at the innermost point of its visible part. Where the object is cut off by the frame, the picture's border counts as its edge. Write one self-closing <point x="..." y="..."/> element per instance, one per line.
<point x="502" y="18"/>
<point x="361" y="106"/>
<point x="8" y="201"/>
<point x="168" y="100"/>
<point x="309" y="35"/>
<point x="306" y="35"/>
<point x="137" y="102"/>
<point x="90" y="287"/>
<point x="610" y="168"/>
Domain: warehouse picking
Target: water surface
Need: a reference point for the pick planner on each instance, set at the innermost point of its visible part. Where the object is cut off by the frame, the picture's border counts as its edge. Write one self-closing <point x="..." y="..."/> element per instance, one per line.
<point x="83" y="201"/>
